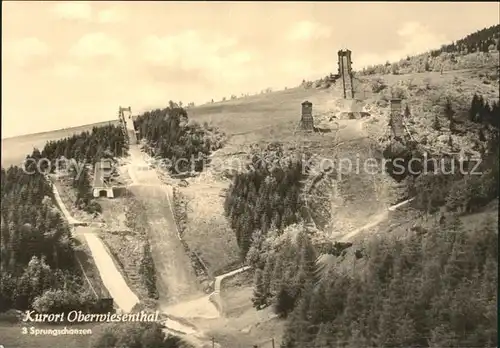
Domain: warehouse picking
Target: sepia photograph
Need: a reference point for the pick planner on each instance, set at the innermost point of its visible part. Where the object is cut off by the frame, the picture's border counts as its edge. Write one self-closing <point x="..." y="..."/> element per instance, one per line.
<point x="255" y="174"/>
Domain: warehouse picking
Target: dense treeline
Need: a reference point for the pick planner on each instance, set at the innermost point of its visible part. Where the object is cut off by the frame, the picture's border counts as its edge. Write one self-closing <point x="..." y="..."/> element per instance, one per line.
<point x="168" y="135"/>
<point x="482" y="112"/>
<point x="434" y="289"/>
<point x="265" y="196"/>
<point x="84" y="150"/>
<point x="445" y="180"/>
<point x="104" y="141"/>
<point x="481" y="41"/>
<point x="467" y="188"/>
<point x="470" y="52"/>
<point x="39" y="268"/>
<point x="38" y="265"/>
<point x="283" y="265"/>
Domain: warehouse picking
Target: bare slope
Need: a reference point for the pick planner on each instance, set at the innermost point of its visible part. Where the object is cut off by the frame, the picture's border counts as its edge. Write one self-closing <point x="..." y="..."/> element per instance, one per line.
<point x="175" y="275"/>
<point x="113" y="280"/>
<point x="274" y="117"/>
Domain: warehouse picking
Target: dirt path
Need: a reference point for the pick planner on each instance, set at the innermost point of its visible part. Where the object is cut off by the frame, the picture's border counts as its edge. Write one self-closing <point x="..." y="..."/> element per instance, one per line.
<point x="374" y="221"/>
<point x="176" y="279"/>
<point x="71" y="220"/>
<point x="202" y="307"/>
<point x="377" y="219"/>
<point x="112" y="279"/>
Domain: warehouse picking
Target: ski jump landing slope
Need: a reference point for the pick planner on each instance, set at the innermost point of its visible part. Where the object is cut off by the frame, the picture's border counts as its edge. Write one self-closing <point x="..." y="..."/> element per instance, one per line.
<point x="176" y="280"/>
<point x="124" y="298"/>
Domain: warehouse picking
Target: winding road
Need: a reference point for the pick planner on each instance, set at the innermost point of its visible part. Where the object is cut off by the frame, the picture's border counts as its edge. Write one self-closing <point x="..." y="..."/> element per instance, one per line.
<point x="375" y="220"/>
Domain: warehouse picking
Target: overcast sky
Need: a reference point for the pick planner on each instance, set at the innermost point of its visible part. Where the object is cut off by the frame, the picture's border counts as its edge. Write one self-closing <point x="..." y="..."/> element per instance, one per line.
<point x="69" y="64"/>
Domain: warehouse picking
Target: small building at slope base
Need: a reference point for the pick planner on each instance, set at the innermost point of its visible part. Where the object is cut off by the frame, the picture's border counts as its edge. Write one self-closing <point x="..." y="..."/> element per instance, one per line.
<point x="100" y="186"/>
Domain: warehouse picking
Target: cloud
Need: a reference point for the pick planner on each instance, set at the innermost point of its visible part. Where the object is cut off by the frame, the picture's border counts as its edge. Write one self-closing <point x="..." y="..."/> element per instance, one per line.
<point x="214" y="58"/>
<point x="240" y="57"/>
<point x="307" y="30"/>
<point x="162" y="74"/>
<point x="188" y="49"/>
<point x="418" y="38"/>
<point x="306" y="68"/>
<point x="415" y="39"/>
<point x="293" y="66"/>
<point x="83" y="11"/>
<point x="96" y="45"/>
<point x="67" y="70"/>
<point x="109" y="16"/>
<point x="73" y="10"/>
<point x="23" y="51"/>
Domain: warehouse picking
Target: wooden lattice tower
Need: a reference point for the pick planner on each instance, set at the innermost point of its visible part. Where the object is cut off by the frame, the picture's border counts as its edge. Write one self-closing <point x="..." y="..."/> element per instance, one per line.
<point x="307" y="121"/>
<point x="396" y="119"/>
<point x="306" y="124"/>
<point x="121" y="117"/>
<point x="122" y="112"/>
<point x="128" y="127"/>
<point x="345" y="72"/>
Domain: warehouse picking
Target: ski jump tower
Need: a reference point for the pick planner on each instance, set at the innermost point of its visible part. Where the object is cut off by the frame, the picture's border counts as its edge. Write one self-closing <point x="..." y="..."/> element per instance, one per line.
<point x="396" y="120"/>
<point x="345" y="72"/>
<point x="307" y="121"/>
<point x="128" y="124"/>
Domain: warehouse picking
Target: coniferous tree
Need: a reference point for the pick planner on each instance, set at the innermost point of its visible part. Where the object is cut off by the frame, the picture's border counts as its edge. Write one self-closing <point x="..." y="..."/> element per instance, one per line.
<point x="430" y="290"/>
<point x="285" y="300"/>
<point x="436" y="125"/>
<point x="266" y="196"/>
<point x="260" y="293"/>
<point x="407" y="113"/>
<point x="482" y="137"/>
<point x="449" y="113"/>
<point x="427" y="66"/>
